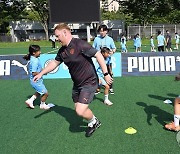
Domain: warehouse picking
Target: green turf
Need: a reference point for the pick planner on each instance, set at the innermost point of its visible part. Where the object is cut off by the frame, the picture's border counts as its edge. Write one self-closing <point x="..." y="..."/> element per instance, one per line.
<point x="138" y="102"/>
<point x="22" y="47"/>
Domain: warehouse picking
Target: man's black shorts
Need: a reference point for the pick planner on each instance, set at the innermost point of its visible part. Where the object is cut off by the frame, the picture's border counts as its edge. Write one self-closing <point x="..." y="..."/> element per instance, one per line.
<point x="84" y="94"/>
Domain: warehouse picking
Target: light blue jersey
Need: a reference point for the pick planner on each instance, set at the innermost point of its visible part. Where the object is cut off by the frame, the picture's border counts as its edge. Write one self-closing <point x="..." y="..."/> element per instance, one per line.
<point x="123" y="46"/>
<point x="152" y="42"/>
<point x="35" y="66"/>
<point x="161" y="40"/>
<point x="138" y="42"/>
<point x="100" y="42"/>
<point x="177" y="38"/>
<point x="100" y="72"/>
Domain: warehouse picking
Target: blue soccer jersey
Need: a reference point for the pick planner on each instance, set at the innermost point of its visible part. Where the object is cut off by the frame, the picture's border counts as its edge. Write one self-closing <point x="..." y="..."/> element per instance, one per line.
<point x="35" y="66"/>
<point x="100" y="42"/>
<point x="160" y="39"/>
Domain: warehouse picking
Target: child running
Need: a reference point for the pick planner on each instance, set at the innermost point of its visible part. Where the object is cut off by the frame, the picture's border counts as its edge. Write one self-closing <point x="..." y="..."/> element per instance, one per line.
<point x="106" y="54"/>
<point x="152" y="44"/>
<point x="34" y="69"/>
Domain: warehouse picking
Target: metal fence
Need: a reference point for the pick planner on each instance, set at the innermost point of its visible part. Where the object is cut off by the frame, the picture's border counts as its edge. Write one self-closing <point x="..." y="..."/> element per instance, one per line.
<point x="147" y="31"/>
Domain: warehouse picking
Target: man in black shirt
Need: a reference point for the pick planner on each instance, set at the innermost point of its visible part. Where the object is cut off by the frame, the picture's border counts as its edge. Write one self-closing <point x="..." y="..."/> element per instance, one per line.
<point x="76" y="54"/>
<point x="168" y="41"/>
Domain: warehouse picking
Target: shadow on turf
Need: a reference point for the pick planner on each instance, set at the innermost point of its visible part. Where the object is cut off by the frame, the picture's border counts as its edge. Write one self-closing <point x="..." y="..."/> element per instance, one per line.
<point x="76" y="123"/>
<point x="155" y="112"/>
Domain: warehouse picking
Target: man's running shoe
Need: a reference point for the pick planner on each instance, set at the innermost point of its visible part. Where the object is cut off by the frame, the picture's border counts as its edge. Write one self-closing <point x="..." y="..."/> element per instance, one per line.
<point x="90" y="130"/>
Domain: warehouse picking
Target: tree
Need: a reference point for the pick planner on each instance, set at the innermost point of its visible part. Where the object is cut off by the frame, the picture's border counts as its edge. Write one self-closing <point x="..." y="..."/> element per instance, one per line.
<point x="40" y="9"/>
<point x="10" y="10"/>
<point x="148" y="11"/>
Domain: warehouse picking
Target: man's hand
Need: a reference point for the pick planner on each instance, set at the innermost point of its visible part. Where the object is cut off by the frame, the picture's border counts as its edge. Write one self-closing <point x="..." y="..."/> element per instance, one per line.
<point x="109" y="79"/>
<point x="37" y="77"/>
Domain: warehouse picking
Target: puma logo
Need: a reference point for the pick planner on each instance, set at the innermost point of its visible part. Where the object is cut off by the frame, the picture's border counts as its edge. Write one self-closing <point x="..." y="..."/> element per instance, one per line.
<point x="86" y="99"/>
<point x="16" y="63"/>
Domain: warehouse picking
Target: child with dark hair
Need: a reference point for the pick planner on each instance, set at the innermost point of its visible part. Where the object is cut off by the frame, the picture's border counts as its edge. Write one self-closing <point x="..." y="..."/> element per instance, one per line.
<point x="106" y="53"/>
<point x="34" y="69"/>
<point x="123" y="45"/>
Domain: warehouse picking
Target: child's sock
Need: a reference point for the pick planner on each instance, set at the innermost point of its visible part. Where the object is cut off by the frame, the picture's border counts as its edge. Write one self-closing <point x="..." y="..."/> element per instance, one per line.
<point x="42" y="103"/>
<point x="106" y="97"/>
<point x="33" y="97"/>
<point x="176" y="120"/>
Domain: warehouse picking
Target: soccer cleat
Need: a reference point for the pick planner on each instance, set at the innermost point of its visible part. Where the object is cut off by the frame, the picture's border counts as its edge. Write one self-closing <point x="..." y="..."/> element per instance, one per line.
<point x="44" y="106"/>
<point x="97" y="92"/>
<point x="111" y="91"/>
<point x="172" y="127"/>
<point x="29" y="103"/>
<point x="108" y="102"/>
<point x="91" y="130"/>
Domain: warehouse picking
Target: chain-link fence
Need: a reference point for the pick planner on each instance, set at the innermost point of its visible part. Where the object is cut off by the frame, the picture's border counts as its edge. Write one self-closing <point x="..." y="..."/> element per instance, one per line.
<point x="147" y="31"/>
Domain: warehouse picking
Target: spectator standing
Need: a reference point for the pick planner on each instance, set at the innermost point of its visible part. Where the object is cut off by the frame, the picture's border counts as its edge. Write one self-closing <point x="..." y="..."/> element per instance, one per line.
<point x="53" y="41"/>
<point x="160" y="41"/>
<point x="168" y="41"/>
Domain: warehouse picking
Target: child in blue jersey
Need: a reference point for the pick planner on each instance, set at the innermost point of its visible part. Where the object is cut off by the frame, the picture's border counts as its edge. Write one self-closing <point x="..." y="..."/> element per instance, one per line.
<point x="103" y="40"/>
<point x="152" y="44"/>
<point x="34" y="68"/>
<point x="177" y="41"/>
<point x="138" y="43"/>
<point x="106" y="54"/>
<point x="134" y="41"/>
<point x="123" y="45"/>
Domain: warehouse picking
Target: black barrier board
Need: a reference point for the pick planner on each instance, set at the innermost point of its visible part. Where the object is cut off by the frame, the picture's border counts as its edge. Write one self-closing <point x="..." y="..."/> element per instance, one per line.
<point x="13" y="67"/>
<point x="150" y="64"/>
<point x="74" y="11"/>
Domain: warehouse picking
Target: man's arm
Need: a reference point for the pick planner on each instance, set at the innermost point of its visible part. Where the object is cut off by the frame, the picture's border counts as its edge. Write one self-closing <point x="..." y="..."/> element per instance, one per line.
<point x="51" y="66"/>
<point x="100" y="60"/>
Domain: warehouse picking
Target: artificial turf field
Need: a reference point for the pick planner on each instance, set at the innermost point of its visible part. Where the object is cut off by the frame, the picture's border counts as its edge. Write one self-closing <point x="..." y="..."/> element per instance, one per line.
<point x="138" y="103"/>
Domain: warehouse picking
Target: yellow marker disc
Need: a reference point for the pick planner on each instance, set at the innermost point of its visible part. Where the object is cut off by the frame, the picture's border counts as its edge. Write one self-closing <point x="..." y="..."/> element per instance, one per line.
<point x="130" y="130"/>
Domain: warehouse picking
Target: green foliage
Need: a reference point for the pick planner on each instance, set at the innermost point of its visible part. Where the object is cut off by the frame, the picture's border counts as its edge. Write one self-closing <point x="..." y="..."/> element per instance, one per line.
<point x="174" y="17"/>
<point x="11" y="10"/>
<point x="152" y="11"/>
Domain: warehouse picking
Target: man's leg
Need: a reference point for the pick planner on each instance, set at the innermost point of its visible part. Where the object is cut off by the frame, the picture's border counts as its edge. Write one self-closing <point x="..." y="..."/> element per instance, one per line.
<point x="177" y="111"/>
<point x="83" y="111"/>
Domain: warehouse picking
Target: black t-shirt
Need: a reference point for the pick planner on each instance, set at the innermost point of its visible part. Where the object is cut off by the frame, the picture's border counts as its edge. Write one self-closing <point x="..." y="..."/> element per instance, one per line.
<point x="168" y="36"/>
<point x="77" y="56"/>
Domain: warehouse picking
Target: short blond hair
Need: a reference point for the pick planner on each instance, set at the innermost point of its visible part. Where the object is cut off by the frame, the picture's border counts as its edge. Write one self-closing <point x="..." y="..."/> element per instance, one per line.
<point x="61" y="26"/>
